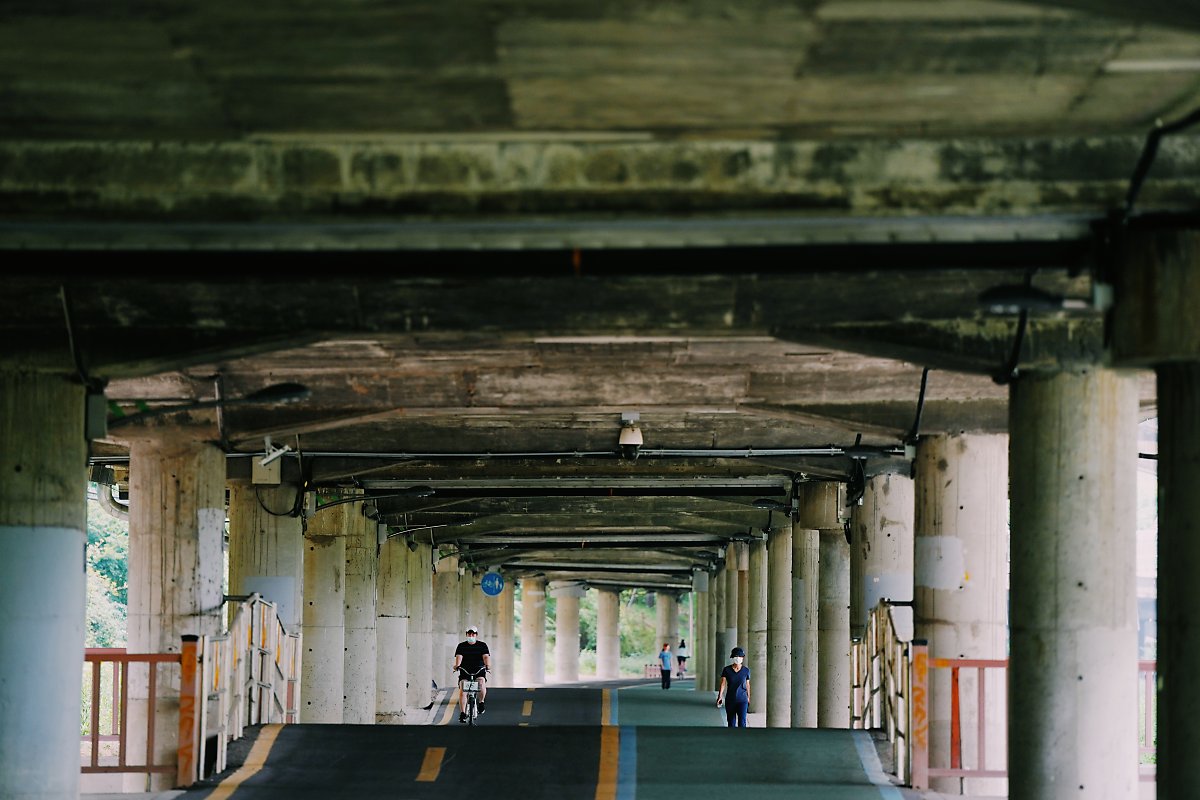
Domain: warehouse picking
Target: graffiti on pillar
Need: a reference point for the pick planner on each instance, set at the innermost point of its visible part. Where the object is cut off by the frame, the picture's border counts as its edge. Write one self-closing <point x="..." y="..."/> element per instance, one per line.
<point x="920" y="701"/>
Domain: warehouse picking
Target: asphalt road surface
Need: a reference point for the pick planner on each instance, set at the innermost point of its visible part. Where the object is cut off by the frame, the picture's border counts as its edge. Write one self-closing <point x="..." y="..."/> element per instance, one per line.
<point x="598" y="742"/>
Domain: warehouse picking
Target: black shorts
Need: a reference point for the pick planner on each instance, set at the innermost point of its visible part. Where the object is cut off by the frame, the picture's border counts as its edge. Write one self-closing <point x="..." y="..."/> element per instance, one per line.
<point x="463" y="675"/>
<point x="681" y="659"/>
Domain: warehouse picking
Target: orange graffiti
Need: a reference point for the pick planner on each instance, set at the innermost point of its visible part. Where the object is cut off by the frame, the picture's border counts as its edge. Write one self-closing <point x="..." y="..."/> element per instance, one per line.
<point x="920" y="705"/>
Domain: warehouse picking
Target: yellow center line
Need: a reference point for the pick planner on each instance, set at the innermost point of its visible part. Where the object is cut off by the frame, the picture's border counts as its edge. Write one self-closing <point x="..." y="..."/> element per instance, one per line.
<point x="610" y="744"/>
<point x="527" y="708"/>
<point x="432" y="764"/>
<point x="451" y="704"/>
<point x="605" y="710"/>
<point x="254" y="762"/>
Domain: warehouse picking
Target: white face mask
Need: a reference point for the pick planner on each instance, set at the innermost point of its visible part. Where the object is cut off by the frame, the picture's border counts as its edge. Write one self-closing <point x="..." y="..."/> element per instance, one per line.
<point x="471" y="640"/>
<point x="737" y="659"/>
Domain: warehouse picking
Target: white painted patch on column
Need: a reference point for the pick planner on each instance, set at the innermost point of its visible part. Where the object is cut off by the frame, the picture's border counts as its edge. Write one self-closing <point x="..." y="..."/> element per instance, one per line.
<point x="940" y="563"/>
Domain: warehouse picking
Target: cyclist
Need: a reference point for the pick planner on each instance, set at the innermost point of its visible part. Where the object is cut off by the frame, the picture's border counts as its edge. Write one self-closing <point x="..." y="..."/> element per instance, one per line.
<point x="470" y="657"/>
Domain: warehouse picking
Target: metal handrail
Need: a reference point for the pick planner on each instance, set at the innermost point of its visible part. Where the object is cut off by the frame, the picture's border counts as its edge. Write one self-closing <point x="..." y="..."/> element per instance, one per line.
<point x="249" y="675"/>
<point x="882" y="685"/>
<point x="890" y="692"/>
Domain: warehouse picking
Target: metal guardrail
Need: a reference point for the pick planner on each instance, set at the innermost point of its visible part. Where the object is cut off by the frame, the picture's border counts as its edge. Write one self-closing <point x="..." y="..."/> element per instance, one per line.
<point x="882" y="693"/>
<point x="249" y="675"/>
<point x="891" y="675"/>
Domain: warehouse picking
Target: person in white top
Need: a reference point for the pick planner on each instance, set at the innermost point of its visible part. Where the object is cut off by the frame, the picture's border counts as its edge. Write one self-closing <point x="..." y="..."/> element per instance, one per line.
<point x="681" y="657"/>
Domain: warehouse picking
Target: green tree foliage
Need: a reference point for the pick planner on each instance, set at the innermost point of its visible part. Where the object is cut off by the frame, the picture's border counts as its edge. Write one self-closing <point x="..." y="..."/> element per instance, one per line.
<point x="107" y="576"/>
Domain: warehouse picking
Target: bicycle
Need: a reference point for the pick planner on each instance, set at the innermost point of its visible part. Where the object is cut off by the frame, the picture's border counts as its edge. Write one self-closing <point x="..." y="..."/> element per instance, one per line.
<point x="470" y="688"/>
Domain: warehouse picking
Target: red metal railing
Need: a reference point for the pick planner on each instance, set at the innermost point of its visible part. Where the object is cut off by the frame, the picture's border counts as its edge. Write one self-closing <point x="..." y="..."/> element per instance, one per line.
<point x="922" y="769"/>
<point x="890" y="692"/>
<point x="115" y="706"/>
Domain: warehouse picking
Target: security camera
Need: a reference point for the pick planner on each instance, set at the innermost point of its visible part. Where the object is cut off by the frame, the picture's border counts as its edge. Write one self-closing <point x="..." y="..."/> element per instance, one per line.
<point x="272" y="453"/>
<point x="630" y="440"/>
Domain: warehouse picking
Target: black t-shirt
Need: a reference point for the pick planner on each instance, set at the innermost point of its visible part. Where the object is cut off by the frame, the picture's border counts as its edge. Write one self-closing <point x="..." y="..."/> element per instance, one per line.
<point x="735" y="684"/>
<point x="472" y="655"/>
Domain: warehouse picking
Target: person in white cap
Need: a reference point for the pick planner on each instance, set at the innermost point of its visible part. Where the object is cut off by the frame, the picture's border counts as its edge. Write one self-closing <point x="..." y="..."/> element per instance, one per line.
<point x="469" y="658"/>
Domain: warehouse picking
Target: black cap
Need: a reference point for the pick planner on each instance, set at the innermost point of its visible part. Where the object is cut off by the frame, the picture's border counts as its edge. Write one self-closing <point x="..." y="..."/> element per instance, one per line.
<point x="737" y="651"/>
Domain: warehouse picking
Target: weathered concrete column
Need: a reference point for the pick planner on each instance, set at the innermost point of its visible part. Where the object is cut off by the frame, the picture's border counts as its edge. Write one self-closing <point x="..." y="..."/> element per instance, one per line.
<point x="322" y="672"/>
<point x="504" y="654"/>
<point x="756" y="650"/>
<point x="391" y="627"/>
<point x="881" y="553"/>
<point x="266" y="548"/>
<point x="743" y="598"/>
<point x="806" y="574"/>
<point x="566" y="633"/>
<point x="1178" y="589"/>
<point x="731" y="605"/>
<point x="819" y="508"/>
<point x="961" y="590"/>
<point x="421" y="673"/>
<point x="608" y="635"/>
<point x="360" y="657"/>
<point x="779" y="628"/>
<point x="1073" y="673"/>
<point x="176" y="564"/>
<point x="43" y="459"/>
<point x="1157" y="288"/>
<point x="701" y="662"/>
<point x="666" y="608"/>
<point x="719" y="646"/>
<point x="533" y="631"/>
<point x="448" y="628"/>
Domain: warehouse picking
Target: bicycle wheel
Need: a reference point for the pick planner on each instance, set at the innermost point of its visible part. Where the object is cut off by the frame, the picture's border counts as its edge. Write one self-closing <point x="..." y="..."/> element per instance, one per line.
<point x="471" y="710"/>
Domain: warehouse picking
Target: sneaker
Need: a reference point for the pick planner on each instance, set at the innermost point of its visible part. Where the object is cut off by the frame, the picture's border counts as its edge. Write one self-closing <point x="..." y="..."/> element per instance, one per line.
<point x="462" y="716"/>
<point x="482" y="707"/>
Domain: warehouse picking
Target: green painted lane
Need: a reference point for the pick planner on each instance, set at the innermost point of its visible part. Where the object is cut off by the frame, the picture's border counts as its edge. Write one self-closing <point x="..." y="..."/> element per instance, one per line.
<point x="681" y="705"/>
<point x="753" y="763"/>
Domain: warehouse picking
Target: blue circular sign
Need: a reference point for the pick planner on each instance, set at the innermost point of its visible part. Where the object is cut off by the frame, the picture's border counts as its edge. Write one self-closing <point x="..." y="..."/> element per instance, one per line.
<point x="492" y="583"/>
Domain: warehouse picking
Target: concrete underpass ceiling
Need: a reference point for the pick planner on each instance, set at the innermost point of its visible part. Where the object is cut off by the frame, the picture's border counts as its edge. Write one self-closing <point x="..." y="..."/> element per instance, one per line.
<point x="481" y="233"/>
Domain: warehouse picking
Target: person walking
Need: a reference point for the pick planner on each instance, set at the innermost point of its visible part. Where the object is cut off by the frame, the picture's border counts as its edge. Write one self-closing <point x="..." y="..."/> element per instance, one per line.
<point x="735" y="682"/>
<point x="665" y="657"/>
<point x="681" y="657"/>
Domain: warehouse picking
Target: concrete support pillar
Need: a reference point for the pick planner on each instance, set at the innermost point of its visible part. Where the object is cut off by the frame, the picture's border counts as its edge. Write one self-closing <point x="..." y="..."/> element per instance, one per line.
<point x="448" y="628"/>
<point x="566" y="633"/>
<point x="391" y="627"/>
<point x="608" y="635"/>
<point x="1073" y="663"/>
<point x="176" y="565"/>
<point x="731" y="605"/>
<point x="1153" y="324"/>
<point x="779" y="628"/>
<point x="43" y="460"/>
<point x="743" y="599"/>
<point x="756" y="650"/>
<point x="266" y="548"/>
<point x="819" y="508"/>
<point x="961" y="590"/>
<point x="504" y="656"/>
<point x="719" y="645"/>
<point x="881" y="565"/>
<point x="833" y="636"/>
<point x="322" y="672"/>
<point x="666" y="607"/>
<point x="806" y="551"/>
<point x="360" y="656"/>
<point x="533" y="631"/>
<point x="1178" y="589"/>
<point x="421" y="674"/>
<point x="699" y="644"/>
